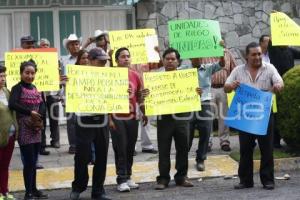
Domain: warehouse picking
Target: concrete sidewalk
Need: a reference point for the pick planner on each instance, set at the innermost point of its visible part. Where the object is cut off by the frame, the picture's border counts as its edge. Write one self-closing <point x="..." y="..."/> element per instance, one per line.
<point x="58" y="172"/>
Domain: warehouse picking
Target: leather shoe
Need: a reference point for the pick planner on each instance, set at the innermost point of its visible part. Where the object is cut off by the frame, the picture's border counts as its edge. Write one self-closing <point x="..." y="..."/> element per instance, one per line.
<point x="269" y="186"/>
<point x="39" y="166"/>
<point x="242" y="186"/>
<point x="55" y="145"/>
<point x="39" y="195"/>
<point x="28" y="196"/>
<point x="226" y="147"/>
<point x="154" y="151"/>
<point x="185" y="183"/>
<point x="200" y="166"/>
<point x="101" y="197"/>
<point x="44" y="152"/>
<point x="160" y="186"/>
<point x="72" y="150"/>
<point x="74" y="195"/>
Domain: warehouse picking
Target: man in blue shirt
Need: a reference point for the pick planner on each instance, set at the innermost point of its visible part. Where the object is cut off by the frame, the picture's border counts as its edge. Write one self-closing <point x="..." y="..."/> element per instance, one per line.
<point x="202" y="120"/>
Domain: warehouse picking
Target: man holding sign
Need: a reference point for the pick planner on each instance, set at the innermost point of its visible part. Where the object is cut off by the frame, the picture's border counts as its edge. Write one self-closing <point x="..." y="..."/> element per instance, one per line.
<point x="172" y="126"/>
<point x="265" y="77"/>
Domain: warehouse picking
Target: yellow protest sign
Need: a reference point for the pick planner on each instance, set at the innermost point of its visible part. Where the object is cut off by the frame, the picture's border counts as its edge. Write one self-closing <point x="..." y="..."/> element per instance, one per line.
<point x="134" y="40"/>
<point x="230" y="98"/>
<point x="47" y="76"/>
<point x="284" y="31"/>
<point x="97" y="89"/>
<point x="274" y="104"/>
<point x="172" y="92"/>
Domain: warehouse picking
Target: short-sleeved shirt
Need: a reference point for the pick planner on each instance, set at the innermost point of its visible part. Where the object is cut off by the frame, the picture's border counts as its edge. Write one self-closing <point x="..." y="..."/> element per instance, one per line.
<point x="266" y="77"/>
<point x="135" y="85"/>
<point x="205" y="72"/>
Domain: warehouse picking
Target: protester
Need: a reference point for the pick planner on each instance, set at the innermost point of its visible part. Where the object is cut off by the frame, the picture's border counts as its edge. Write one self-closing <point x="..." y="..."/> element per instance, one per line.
<point x="124" y="127"/>
<point x="202" y="120"/>
<point x="91" y="128"/>
<point x="220" y="98"/>
<point x="263" y="76"/>
<point x="52" y="107"/>
<point x="283" y="58"/>
<point x="8" y="135"/>
<point x="72" y="44"/>
<point x="28" y="104"/>
<point x="168" y="127"/>
<point x="264" y="43"/>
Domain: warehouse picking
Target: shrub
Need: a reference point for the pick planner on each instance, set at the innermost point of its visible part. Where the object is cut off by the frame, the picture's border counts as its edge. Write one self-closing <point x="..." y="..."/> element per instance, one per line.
<point x="288" y="116"/>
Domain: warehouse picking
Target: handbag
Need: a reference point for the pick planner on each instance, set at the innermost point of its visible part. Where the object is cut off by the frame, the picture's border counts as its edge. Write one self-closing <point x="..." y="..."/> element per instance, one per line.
<point x="33" y="124"/>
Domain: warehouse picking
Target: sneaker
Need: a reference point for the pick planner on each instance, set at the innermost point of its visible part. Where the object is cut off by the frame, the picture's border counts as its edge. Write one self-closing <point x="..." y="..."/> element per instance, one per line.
<point x="123" y="187"/>
<point x="132" y="184"/>
<point x="9" y="197"/>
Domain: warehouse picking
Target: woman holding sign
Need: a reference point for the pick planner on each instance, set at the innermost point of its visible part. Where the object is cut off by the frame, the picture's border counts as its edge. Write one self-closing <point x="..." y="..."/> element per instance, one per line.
<point x="29" y="106"/>
<point x="8" y="134"/>
<point x="124" y="127"/>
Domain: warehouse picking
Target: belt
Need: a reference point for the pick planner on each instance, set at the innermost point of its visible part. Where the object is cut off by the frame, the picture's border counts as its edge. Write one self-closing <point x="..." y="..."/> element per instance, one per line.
<point x="217" y="85"/>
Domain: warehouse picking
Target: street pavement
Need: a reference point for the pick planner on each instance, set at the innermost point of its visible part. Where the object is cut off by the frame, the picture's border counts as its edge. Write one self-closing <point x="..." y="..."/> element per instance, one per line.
<point x="207" y="189"/>
<point x="57" y="176"/>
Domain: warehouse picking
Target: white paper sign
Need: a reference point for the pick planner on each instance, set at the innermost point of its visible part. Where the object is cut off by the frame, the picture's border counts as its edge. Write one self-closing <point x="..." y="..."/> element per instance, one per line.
<point x="151" y="42"/>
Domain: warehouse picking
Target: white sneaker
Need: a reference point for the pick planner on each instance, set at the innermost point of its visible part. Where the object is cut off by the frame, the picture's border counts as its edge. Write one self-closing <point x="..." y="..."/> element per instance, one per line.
<point x="132" y="184"/>
<point x="123" y="187"/>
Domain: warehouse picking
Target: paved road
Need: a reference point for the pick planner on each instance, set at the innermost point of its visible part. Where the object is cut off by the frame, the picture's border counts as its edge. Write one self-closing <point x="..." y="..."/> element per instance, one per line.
<point x="215" y="188"/>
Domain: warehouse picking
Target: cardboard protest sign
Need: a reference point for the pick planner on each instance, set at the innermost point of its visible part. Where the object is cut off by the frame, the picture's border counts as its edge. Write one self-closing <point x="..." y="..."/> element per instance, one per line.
<point x="134" y="40"/>
<point x="196" y="38"/>
<point x="284" y="30"/>
<point x="47" y="76"/>
<point x="172" y="92"/>
<point x="97" y="89"/>
<point x="250" y="110"/>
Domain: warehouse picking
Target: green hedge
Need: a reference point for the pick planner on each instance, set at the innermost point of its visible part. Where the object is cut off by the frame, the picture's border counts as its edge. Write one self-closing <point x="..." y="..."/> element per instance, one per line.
<point x="288" y="117"/>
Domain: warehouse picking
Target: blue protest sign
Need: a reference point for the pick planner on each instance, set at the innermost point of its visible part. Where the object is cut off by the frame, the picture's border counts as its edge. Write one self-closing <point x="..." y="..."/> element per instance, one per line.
<point x="250" y="110"/>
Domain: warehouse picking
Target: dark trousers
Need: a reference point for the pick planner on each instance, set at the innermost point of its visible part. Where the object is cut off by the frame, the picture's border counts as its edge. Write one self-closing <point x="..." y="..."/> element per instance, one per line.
<point x="167" y="129"/>
<point x="124" y="140"/>
<point x="71" y="123"/>
<point x="202" y="121"/>
<point x="90" y="131"/>
<point x="277" y="136"/>
<point x="29" y="154"/>
<point x="247" y="144"/>
<point x="53" y="114"/>
<point x="5" y="158"/>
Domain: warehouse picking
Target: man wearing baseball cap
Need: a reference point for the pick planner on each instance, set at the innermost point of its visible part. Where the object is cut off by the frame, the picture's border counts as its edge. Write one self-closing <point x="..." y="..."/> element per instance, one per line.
<point x="97" y="133"/>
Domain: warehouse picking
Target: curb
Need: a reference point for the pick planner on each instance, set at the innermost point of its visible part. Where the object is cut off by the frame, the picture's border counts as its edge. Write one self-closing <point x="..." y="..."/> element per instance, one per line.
<point x="281" y="164"/>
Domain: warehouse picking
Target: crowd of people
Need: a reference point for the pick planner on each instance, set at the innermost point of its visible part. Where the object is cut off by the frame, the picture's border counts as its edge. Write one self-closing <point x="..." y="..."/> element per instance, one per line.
<point x="23" y="116"/>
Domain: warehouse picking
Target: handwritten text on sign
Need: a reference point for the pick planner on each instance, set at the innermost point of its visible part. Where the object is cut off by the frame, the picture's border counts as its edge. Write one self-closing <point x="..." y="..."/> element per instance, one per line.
<point x="196" y="38"/>
<point x="47" y="76"/>
<point x="250" y="110"/>
<point x="134" y="40"/>
<point x="171" y="92"/>
<point x="284" y="30"/>
<point x="97" y="89"/>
